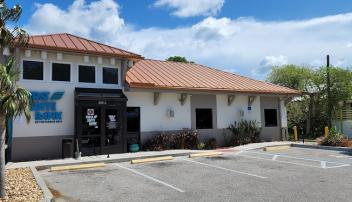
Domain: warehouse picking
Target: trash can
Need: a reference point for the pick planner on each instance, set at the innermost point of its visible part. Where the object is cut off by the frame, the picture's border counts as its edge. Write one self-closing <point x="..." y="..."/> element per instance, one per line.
<point x="67" y="148"/>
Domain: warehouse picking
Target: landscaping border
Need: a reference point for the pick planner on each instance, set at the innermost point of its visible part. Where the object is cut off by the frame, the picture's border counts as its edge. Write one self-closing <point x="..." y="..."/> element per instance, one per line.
<point x="47" y="195"/>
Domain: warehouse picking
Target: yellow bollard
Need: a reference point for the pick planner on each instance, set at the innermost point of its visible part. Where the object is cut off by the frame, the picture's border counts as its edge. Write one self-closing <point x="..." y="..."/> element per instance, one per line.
<point x="295" y="133"/>
<point x="326" y="132"/>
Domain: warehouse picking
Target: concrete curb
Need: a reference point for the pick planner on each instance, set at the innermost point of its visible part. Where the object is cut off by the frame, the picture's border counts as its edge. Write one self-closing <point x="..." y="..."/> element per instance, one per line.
<point x="48" y="197"/>
<point x="345" y="149"/>
<point x="43" y="167"/>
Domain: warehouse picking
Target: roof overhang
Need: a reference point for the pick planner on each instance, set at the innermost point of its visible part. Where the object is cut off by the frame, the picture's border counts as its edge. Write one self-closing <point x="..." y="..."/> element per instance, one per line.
<point x="148" y="86"/>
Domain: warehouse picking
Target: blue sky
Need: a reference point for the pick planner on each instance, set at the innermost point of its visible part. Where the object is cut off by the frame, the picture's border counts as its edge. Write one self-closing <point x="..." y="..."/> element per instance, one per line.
<point x="241" y="36"/>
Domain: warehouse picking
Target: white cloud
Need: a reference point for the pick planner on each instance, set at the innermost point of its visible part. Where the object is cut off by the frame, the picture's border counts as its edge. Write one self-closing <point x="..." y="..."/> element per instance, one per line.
<point x="189" y="8"/>
<point x="98" y="18"/>
<point x="274" y="61"/>
<point x="268" y="62"/>
<point x="245" y="45"/>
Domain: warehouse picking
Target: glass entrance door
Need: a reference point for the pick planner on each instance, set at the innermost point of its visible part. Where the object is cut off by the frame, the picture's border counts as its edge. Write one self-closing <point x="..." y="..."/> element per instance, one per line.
<point x="101" y="128"/>
<point x="112" y="138"/>
<point x="111" y="127"/>
<point x="100" y="121"/>
<point x="91" y="130"/>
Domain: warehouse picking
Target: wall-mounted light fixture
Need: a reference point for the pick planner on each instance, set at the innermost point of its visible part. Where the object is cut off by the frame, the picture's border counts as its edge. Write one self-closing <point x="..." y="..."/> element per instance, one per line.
<point x="170" y="113"/>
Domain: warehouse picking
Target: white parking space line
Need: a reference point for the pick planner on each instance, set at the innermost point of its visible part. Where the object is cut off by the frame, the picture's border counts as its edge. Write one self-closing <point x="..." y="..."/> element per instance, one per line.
<point x="339" y="166"/>
<point x="222" y="168"/>
<point x="150" y="178"/>
<point x="323" y="164"/>
<point x="287" y="162"/>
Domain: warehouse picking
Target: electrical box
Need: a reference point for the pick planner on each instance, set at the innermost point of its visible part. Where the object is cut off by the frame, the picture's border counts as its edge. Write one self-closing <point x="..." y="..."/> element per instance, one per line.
<point x="170" y="113"/>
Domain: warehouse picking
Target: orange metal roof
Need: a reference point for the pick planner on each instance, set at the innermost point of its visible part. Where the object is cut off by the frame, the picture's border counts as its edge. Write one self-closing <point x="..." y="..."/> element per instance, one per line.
<point x="71" y="43"/>
<point x="182" y="76"/>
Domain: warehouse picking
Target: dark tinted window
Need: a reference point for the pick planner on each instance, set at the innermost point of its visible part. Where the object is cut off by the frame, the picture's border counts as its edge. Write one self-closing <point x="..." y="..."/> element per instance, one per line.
<point x="32" y="70"/>
<point x="204" y="118"/>
<point x="133" y="120"/>
<point x="270" y="116"/>
<point x="110" y="75"/>
<point x="61" y="72"/>
<point x="86" y="74"/>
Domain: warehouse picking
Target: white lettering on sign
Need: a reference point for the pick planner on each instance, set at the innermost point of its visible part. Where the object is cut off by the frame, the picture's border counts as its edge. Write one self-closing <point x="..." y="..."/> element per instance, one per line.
<point x="112" y="124"/>
<point x="91" y="118"/>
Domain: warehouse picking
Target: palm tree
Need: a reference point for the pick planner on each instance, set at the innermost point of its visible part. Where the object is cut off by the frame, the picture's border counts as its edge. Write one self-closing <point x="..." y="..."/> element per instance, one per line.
<point x="14" y="100"/>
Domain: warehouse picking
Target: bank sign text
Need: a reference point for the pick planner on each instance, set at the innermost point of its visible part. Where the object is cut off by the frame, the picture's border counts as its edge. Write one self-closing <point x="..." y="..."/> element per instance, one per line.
<point x="44" y="107"/>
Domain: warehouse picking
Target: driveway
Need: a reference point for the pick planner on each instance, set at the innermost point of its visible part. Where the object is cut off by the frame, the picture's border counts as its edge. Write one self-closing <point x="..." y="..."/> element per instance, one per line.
<point x="297" y="174"/>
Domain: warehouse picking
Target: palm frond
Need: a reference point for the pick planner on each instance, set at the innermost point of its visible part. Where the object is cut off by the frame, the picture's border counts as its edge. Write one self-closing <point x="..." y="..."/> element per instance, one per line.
<point x="21" y="37"/>
<point x="14" y="100"/>
<point x="12" y="14"/>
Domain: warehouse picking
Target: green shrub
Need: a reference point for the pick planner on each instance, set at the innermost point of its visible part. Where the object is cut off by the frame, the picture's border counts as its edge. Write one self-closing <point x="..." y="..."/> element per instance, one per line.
<point x="211" y="144"/>
<point x="335" y="138"/>
<point x="186" y="139"/>
<point x="201" y="146"/>
<point x="245" y="132"/>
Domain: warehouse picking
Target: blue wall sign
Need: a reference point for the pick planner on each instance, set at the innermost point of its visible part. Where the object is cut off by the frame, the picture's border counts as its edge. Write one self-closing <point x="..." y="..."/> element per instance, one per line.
<point x="44" y="107"/>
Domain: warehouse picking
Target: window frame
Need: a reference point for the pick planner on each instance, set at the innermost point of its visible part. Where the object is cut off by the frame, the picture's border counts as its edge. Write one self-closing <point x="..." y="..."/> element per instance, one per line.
<point x="212" y="119"/>
<point x="61" y="62"/>
<point x="95" y="73"/>
<point x="22" y="69"/>
<point x="277" y="119"/>
<point x="118" y="75"/>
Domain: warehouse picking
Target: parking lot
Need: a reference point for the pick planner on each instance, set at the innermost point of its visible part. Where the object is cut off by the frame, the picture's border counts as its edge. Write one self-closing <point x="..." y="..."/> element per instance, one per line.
<point x="296" y="174"/>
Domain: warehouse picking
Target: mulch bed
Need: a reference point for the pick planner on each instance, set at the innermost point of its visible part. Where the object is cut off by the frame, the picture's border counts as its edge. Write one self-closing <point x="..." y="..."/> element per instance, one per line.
<point x="21" y="186"/>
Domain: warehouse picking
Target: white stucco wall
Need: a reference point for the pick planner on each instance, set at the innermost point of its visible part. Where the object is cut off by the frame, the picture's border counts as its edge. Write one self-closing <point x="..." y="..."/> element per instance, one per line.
<point x="64" y="105"/>
<point x="227" y="115"/>
<point x="154" y="117"/>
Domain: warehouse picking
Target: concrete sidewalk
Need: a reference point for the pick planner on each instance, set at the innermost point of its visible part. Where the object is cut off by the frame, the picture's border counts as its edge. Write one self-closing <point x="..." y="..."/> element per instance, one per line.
<point x="129" y="156"/>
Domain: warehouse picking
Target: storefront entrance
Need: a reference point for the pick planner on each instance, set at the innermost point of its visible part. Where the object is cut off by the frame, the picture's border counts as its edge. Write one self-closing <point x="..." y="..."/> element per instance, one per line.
<point x="100" y="116"/>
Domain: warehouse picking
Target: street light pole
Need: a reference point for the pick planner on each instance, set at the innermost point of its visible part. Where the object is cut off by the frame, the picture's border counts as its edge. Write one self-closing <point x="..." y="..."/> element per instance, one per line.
<point x="328" y="85"/>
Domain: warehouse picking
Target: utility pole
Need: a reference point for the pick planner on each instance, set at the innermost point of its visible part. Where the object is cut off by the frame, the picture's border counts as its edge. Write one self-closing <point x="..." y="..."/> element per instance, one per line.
<point x="328" y="85"/>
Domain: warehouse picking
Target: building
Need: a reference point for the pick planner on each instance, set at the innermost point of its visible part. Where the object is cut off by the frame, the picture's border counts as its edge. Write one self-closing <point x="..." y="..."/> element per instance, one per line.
<point x="343" y="118"/>
<point x="105" y="98"/>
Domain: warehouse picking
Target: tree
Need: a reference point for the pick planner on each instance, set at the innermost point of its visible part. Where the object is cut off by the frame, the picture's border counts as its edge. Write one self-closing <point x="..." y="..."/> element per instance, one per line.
<point x="14" y="100"/>
<point x="178" y="59"/>
<point x="292" y="76"/>
<point x="310" y="110"/>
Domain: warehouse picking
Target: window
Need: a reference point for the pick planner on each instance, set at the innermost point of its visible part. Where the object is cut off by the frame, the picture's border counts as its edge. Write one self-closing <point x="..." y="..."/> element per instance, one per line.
<point x="270" y="116"/>
<point x="86" y="74"/>
<point x="32" y="70"/>
<point x="133" y="120"/>
<point x="61" y="72"/>
<point x="110" y="75"/>
<point x="204" y="118"/>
